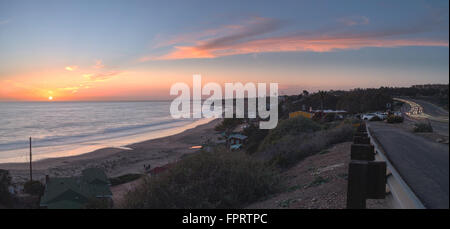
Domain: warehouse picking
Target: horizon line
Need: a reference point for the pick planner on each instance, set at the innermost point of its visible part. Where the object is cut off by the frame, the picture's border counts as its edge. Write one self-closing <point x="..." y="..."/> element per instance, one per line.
<point x="167" y="100"/>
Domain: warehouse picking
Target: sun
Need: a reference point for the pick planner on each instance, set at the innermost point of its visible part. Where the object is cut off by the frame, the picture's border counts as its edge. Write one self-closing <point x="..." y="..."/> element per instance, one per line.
<point x="50" y="98"/>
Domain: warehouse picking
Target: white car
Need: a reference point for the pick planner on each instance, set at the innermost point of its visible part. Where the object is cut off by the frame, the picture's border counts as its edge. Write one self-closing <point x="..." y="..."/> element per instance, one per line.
<point x="369" y="116"/>
<point x="381" y="115"/>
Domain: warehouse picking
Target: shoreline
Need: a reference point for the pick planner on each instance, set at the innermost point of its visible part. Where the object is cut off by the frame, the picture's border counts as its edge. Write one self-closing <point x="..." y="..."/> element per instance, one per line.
<point x="119" y="160"/>
<point x="79" y="148"/>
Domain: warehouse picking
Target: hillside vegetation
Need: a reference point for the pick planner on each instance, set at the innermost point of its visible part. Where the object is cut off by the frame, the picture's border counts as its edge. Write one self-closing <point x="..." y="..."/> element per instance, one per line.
<point x="218" y="179"/>
<point x="289" y="127"/>
<point x="290" y="149"/>
<point x="224" y="179"/>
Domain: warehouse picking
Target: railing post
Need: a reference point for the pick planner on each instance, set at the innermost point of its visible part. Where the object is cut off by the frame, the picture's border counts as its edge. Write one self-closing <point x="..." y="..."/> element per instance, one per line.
<point x="365" y="152"/>
<point x="361" y="140"/>
<point x="357" y="183"/>
<point x="376" y="188"/>
<point x="361" y="134"/>
<point x="366" y="177"/>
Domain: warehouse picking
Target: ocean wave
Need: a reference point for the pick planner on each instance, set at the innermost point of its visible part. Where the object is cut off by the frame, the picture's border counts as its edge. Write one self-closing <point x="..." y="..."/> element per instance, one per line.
<point x="101" y="134"/>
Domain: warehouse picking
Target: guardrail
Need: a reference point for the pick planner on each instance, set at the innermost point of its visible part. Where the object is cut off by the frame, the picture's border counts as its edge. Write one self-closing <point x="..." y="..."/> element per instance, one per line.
<point x="398" y="193"/>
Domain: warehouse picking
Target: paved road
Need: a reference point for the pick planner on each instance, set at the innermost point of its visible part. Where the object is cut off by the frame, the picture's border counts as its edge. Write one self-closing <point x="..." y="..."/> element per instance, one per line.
<point x="432" y="109"/>
<point x="423" y="164"/>
<point x="440" y="127"/>
<point x="439" y="116"/>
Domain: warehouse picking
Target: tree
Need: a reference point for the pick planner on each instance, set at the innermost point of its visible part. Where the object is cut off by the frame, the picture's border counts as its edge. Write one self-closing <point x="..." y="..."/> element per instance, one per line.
<point x="322" y="98"/>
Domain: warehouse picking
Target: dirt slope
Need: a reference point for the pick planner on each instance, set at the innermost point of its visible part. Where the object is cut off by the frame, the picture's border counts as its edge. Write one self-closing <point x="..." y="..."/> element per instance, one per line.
<point x="318" y="182"/>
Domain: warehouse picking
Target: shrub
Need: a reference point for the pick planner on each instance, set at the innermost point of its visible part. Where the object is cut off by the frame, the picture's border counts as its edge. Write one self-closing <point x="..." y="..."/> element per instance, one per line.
<point x="394" y="119"/>
<point x="423" y="127"/>
<point x="292" y="149"/>
<point x="228" y="124"/>
<point x="255" y="137"/>
<point x="206" y="180"/>
<point x="34" y="188"/>
<point x="292" y="126"/>
<point x="341" y="133"/>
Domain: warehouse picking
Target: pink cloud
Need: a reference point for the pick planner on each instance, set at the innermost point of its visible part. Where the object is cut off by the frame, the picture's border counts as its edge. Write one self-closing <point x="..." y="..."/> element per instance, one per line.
<point x="253" y="36"/>
<point x="292" y="44"/>
<point x="98" y="64"/>
<point x="221" y="31"/>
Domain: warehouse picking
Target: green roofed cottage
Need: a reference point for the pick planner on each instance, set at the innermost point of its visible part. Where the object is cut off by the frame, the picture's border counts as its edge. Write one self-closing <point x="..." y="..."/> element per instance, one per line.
<point x="76" y="192"/>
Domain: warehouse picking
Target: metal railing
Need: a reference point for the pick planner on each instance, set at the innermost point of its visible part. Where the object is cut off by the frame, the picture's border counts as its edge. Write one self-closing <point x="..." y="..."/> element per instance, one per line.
<point x="399" y="194"/>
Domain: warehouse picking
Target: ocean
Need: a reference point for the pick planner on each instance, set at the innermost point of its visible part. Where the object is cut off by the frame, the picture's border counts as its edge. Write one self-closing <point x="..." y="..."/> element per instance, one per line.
<point x="61" y="129"/>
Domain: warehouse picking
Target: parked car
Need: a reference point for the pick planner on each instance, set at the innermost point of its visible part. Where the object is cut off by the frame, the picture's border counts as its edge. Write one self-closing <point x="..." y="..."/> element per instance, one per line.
<point x="382" y="115"/>
<point x="397" y="113"/>
<point x="368" y="116"/>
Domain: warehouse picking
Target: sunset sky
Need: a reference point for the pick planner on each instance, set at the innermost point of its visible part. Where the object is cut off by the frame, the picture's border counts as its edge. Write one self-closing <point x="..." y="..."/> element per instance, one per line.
<point x="135" y="50"/>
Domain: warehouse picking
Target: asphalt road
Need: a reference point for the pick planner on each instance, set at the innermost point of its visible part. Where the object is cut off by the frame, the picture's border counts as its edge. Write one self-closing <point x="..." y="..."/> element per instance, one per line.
<point x="431" y="109"/>
<point x="439" y="116"/>
<point x="423" y="164"/>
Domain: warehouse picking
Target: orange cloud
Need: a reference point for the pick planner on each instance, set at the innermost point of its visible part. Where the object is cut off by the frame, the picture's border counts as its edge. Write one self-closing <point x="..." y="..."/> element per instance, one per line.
<point x="100" y="76"/>
<point x="188" y="52"/>
<point x="59" y="82"/>
<point x="72" y="89"/>
<point x="71" y="68"/>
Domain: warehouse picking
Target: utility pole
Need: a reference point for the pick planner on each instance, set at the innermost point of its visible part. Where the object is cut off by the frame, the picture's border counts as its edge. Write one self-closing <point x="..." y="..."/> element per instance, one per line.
<point x="31" y="168"/>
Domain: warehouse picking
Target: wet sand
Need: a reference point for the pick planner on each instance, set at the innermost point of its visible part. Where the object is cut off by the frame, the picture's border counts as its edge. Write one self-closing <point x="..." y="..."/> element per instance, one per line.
<point x="116" y="161"/>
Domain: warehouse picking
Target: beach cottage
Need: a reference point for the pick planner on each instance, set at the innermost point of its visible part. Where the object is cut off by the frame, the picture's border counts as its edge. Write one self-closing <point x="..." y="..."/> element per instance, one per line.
<point x="76" y="192"/>
<point x="235" y="141"/>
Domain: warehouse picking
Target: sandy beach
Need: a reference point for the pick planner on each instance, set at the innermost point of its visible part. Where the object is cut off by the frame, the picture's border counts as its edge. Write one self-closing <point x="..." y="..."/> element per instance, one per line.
<point x="116" y="161"/>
